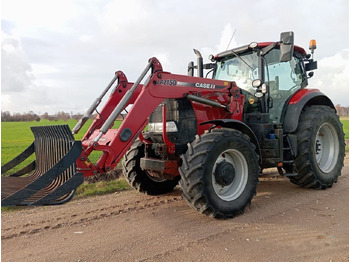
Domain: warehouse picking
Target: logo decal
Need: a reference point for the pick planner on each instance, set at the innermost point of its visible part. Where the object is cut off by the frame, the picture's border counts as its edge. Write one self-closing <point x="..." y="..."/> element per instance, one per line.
<point x="204" y="85"/>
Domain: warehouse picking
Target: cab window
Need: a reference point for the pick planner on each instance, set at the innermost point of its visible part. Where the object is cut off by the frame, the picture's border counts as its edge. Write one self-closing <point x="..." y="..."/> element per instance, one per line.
<point x="241" y="70"/>
<point x="284" y="79"/>
<point x="286" y="75"/>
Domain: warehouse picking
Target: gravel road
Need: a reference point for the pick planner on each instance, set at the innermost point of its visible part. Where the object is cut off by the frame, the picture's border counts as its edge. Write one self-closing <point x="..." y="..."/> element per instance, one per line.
<point x="284" y="223"/>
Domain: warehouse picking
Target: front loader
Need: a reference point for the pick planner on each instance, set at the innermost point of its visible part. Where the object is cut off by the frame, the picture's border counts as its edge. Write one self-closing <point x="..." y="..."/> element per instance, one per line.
<point x="213" y="136"/>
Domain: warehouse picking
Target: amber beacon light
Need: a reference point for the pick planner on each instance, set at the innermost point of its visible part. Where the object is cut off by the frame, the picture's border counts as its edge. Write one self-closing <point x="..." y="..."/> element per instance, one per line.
<point x="312" y="45"/>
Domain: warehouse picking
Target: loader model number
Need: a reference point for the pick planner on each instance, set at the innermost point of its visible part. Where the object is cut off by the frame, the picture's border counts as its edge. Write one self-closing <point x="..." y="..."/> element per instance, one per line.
<point x="167" y="82"/>
<point x="204" y="85"/>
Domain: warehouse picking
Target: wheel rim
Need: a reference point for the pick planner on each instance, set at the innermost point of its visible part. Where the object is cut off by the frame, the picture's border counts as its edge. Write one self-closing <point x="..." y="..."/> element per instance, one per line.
<point x="155" y="179"/>
<point x="326" y="147"/>
<point x="233" y="190"/>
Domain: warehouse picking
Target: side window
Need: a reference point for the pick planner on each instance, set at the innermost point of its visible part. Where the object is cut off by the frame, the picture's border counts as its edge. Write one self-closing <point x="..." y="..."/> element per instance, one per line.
<point x="283" y="75"/>
<point x="284" y="79"/>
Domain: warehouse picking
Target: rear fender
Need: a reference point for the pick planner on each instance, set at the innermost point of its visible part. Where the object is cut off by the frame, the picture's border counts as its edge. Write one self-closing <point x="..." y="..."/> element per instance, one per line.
<point x="300" y="100"/>
<point x="240" y="126"/>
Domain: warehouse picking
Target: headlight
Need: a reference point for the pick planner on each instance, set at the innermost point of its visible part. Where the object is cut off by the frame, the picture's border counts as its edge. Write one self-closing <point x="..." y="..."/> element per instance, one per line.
<point x="256" y="83"/>
<point x="158" y="127"/>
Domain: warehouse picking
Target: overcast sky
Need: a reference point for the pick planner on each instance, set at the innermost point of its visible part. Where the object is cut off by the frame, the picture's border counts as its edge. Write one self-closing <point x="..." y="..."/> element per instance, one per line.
<point x="59" y="55"/>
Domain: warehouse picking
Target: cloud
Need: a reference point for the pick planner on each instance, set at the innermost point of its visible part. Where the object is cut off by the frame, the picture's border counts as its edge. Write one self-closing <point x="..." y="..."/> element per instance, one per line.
<point x="227" y="40"/>
<point x="15" y="70"/>
<point x="332" y="77"/>
<point x="70" y="57"/>
<point x="20" y="90"/>
<point x="32" y="16"/>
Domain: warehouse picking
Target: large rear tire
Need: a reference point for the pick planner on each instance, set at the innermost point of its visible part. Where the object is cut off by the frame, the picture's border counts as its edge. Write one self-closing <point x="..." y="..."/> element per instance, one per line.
<point x="219" y="173"/>
<point x="321" y="148"/>
<point x="139" y="178"/>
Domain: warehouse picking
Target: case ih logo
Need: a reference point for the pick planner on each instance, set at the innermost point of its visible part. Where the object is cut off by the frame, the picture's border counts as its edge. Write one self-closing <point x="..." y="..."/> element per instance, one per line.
<point x="173" y="82"/>
<point x="204" y="85"/>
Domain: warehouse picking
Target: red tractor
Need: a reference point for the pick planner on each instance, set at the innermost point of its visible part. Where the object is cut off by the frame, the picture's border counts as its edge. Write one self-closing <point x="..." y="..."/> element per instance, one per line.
<point x="213" y="135"/>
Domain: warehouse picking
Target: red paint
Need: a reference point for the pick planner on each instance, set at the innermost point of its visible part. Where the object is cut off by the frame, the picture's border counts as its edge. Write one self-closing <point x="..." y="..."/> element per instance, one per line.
<point x="301" y="94"/>
<point x="145" y="99"/>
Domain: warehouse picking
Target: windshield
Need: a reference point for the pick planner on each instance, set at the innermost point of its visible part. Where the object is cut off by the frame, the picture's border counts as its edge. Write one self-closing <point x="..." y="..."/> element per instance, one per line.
<point x="243" y="70"/>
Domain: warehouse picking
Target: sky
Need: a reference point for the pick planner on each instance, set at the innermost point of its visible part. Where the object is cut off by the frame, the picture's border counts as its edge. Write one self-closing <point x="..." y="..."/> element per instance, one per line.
<point x="59" y="55"/>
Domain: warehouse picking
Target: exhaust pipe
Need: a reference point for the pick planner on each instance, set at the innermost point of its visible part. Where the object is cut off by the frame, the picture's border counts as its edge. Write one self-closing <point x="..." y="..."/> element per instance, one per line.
<point x="199" y="63"/>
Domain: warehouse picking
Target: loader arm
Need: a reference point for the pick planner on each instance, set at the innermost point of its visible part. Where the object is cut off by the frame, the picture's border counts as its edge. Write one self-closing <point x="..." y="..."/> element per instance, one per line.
<point x="115" y="97"/>
<point x="160" y="85"/>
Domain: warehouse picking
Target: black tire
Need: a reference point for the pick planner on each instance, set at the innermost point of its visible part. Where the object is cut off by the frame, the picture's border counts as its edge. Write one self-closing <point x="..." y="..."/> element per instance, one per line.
<point x="219" y="173"/>
<point x="140" y="179"/>
<point x="321" y="148"/>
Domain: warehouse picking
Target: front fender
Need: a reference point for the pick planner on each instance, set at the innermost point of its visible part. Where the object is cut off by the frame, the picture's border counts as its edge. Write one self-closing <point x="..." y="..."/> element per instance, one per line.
<point x="240" y="126"/>
<point x="300" y="100"/>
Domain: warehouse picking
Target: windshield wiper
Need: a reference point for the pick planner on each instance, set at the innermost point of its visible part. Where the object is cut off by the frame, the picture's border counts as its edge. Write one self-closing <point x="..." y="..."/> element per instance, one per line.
<point x="233" y="52"/>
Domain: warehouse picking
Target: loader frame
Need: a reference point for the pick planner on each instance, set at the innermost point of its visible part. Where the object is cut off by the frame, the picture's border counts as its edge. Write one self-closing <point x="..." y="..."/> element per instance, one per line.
<point x="211" y="99"/>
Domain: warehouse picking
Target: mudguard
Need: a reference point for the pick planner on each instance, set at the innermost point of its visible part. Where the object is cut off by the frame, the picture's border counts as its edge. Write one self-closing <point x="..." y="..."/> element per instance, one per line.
<point x="242" y="127"/>
<point x="302" y="98"/>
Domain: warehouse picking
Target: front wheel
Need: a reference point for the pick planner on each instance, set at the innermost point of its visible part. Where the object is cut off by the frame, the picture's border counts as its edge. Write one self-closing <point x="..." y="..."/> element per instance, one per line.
<point x="321" y="148"/>
<point x="139" y="178"/>
<point x="219" y="173"/>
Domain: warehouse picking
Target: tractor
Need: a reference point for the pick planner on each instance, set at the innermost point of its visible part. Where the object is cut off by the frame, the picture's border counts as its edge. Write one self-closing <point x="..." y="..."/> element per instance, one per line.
<point x="211" y="135"/>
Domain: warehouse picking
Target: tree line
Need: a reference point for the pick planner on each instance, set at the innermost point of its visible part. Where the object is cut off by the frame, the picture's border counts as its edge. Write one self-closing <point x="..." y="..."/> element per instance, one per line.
<point x="342" y="110"/>
<point x="6" y="116"/>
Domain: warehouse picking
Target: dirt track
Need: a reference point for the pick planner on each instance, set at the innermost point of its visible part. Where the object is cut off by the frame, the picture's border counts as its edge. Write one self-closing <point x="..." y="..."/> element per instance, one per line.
<point x="284" y="223"/>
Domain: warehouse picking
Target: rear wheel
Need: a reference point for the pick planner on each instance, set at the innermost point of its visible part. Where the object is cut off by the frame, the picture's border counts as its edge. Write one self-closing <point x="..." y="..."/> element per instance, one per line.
<point x="139" y="178"/>
<point x="321" y="148"/>
<point x="219" y="173"/>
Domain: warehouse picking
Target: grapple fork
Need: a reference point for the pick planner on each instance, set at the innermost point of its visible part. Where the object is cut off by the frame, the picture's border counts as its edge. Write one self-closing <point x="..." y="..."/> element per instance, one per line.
<point x="52" y="177"/>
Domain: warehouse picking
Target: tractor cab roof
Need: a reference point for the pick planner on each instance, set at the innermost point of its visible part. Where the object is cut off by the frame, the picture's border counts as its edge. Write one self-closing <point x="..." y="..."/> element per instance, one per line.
<point x="296" y="48"/>
<point x="242" y="49"/>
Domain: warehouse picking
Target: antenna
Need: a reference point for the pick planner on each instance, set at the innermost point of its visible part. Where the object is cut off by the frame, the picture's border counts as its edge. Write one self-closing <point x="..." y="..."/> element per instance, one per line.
<point x="231" y="39"/>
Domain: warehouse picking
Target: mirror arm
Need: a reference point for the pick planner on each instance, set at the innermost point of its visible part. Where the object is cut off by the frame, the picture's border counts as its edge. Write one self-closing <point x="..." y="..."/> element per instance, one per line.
<point x="268" y="48"/>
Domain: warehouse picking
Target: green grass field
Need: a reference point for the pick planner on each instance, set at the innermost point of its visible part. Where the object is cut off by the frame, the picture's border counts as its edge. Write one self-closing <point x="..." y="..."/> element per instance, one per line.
<point x="345" y="122"/>
<point x="17" y="136"/>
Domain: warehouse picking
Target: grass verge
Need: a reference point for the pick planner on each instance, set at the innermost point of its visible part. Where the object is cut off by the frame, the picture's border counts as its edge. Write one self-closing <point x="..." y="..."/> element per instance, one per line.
<point x="90" y="189"/>
<point x="345" y="122"/>
<point x="101" y="188"/>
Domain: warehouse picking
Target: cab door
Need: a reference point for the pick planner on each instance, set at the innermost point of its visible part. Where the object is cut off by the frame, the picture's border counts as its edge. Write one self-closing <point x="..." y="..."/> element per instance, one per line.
<point x="283" y="79"/>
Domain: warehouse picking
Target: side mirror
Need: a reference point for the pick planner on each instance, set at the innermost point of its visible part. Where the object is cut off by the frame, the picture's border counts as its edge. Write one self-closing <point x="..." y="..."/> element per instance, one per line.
<point x="286" y="46"/>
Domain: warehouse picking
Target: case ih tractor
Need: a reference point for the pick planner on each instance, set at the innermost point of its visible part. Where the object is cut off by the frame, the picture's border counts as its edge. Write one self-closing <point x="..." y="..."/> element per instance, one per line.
<point x="212" y="135"/>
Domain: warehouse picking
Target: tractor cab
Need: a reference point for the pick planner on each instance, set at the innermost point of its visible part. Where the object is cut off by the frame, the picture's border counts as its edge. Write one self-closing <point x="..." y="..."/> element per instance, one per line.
<point x="269" y="74"/>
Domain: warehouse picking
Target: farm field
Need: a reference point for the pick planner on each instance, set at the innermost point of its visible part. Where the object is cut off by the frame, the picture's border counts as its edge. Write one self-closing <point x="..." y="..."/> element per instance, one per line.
<point x="17" y="136"/>
<point x="345" y="122"/>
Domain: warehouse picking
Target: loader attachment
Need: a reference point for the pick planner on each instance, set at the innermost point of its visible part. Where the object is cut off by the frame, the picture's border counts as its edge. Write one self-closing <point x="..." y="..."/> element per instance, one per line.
<point x="52" y="177"/>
